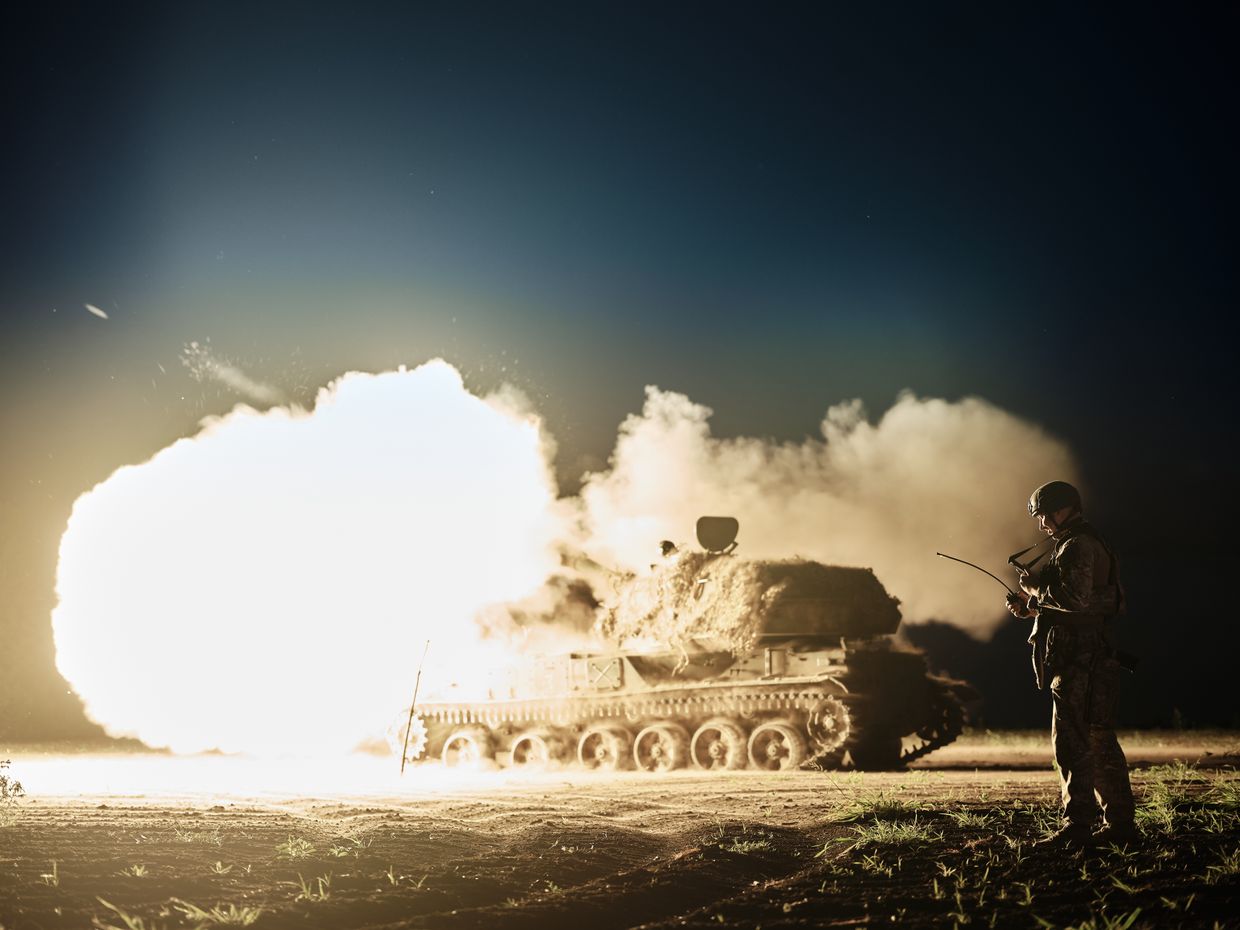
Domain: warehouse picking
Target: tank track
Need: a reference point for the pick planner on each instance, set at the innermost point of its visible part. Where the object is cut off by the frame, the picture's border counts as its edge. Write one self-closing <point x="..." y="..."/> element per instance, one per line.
<point x="677" y="703"/>
<point x="948" y="724"/>
<point x="700" y="701"/>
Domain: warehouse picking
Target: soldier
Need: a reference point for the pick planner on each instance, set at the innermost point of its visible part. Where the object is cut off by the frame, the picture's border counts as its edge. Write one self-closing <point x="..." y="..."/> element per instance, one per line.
<point x="1072" y="600"/>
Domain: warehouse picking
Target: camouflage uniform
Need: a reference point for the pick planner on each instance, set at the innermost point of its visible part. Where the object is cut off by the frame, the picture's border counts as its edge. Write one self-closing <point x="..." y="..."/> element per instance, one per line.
<point x="1077" y="594"/>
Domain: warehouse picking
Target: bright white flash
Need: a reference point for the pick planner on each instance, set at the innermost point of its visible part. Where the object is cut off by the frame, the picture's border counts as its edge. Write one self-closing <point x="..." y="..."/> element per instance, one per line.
<point x="267" y="585"/>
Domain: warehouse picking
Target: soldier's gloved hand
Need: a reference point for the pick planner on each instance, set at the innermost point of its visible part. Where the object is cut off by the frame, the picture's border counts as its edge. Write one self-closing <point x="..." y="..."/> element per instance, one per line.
<point x="1027" y="580"/>
<point x="1018" y="606"/>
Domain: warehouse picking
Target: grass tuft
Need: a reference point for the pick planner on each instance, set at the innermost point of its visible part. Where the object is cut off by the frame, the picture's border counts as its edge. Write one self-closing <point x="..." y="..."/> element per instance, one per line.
<point x="1227" y="865"/>
<point x="315" y="890"/>
<point x="212" y="837"/>
<point x="127" y="921"/>
<point x="895" y="833"/>
<point x="295" y="847"/>
<point x="1225" y="794"/>
<point x="877" y="805"/>
<point x="747" y="846"/>
<point x="221" y="915"/>
<point x="971" y="820"/>
<point x="51" y="878"/>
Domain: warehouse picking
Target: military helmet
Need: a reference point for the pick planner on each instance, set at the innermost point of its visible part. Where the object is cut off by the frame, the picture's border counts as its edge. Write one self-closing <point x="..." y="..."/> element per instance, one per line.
<point x="1052" y="496"/>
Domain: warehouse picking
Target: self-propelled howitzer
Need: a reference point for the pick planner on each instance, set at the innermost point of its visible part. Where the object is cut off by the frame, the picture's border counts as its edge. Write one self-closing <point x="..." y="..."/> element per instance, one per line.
<point x="767" y="665"/>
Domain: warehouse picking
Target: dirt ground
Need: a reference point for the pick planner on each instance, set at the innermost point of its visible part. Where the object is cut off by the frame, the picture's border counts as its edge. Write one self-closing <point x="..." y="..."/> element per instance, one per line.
<point x="140" y="841"/>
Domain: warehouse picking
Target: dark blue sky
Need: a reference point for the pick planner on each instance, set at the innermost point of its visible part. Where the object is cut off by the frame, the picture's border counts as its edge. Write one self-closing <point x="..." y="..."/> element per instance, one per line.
<point x="768" y="209"/>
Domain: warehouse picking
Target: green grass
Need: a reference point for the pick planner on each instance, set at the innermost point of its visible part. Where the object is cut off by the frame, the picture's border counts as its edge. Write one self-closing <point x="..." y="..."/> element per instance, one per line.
<point x="1180" y="798"/>
<point x="51" y="878"/>
<point x="1174" y="904"/>
<point x="350" y="846"/>
<point x="316" y="890"/>
<point x="208" y="837"/>
<point x="127" y="921"/>
<point x="972" y="820"/>
<point x="747" y="846"/>
<point x="1225" y="794"/>
<point x="977" y="867"/>
<point x="877" y="805"/>
<point x="221" y="915"/>
<point x="1228" y="865"/>
<point x="894" y="833"/>
<point x="295" y="847"/>
<point x="1100" y="921"/>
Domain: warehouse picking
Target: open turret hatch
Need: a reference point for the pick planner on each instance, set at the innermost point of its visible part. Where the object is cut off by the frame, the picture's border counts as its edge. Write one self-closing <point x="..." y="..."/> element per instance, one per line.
<point x="717" y="534"/>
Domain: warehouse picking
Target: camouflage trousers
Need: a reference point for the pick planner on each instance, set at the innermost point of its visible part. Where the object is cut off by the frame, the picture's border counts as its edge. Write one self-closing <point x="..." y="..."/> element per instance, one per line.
<point x="1092" y="767"/>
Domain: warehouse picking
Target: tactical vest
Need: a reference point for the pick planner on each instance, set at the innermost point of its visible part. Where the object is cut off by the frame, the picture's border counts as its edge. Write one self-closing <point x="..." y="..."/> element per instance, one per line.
<point x="1084" y="528"/>
<point x="1038" y="635"/>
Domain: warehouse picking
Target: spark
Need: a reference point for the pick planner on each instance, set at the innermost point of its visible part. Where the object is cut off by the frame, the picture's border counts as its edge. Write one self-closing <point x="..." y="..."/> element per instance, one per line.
<point x="203" y="366"/>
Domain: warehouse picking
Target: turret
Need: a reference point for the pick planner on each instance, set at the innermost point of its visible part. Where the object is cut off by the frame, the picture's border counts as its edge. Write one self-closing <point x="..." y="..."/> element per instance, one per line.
<point x="719" y="600"/>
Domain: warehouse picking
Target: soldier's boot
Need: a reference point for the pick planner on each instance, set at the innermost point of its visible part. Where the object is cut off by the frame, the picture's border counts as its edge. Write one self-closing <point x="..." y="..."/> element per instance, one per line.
<point x="1118" y="834"/>
<point x="1069" y="836"/>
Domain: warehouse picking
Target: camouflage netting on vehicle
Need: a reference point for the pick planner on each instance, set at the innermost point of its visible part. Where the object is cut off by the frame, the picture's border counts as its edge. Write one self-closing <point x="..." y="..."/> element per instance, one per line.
<point x="733" y="602"/>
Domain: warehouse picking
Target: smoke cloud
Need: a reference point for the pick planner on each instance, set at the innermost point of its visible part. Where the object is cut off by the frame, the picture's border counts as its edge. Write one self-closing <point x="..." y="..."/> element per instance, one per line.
<point x="268" y="584"/>
<point x="928" y="476"/>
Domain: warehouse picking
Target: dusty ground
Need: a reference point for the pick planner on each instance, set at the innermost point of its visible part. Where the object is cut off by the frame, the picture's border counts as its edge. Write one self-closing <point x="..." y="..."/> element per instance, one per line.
<point x="185" y="843"/>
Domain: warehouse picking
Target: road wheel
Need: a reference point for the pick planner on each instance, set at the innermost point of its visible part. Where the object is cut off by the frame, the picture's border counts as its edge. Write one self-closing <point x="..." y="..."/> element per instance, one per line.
<point x="604" y="747"/>
<point x="719" y="744"/>
<point x="661" y="747"/>
<point x="413" y="747"/>
<point x="536" y="749"/>
<point x="776" y="746"/>
<point x="469" y="746"/>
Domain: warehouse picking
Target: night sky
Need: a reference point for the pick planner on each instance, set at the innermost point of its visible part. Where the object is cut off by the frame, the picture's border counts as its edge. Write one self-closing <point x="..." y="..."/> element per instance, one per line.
<point x="769" y="208"/>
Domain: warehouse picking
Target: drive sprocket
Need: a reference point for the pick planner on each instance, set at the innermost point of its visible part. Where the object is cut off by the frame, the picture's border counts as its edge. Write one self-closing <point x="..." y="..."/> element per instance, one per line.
<point x="416" y="745"/>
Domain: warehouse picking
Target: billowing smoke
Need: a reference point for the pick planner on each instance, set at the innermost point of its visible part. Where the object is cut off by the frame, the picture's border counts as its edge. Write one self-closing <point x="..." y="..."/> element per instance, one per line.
<point x="269" y="583"/>
<point x="928" y="476"/>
